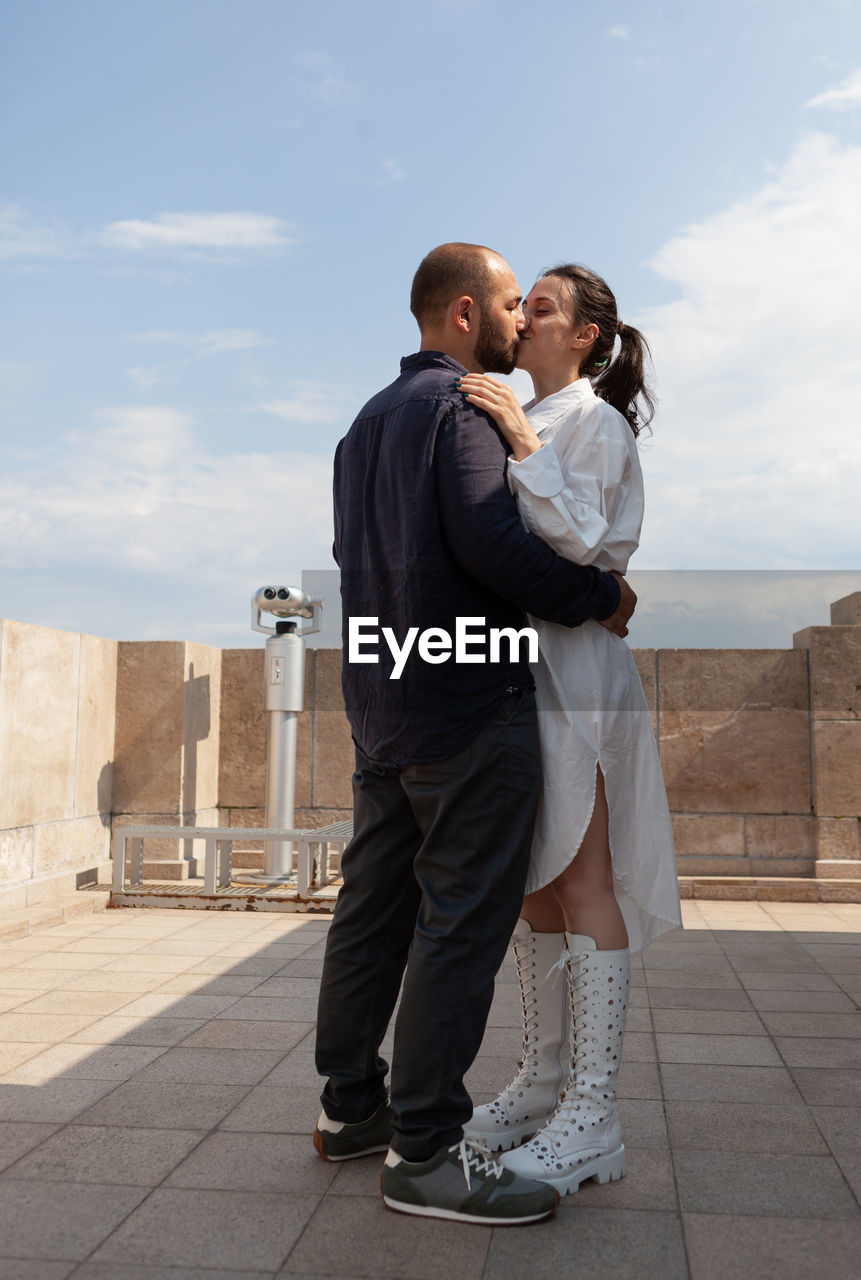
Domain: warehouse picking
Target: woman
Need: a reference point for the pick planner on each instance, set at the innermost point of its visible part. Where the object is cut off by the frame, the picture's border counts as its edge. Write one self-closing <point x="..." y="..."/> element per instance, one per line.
<point x="602" y="880"/>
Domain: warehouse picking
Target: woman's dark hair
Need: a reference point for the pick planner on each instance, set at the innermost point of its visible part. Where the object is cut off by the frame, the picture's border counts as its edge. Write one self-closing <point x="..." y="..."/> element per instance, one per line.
<point x="621" y="382"/>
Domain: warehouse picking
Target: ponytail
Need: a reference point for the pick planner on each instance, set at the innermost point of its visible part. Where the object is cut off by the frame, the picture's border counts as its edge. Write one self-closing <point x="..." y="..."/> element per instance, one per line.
<point x="621" y="382"/>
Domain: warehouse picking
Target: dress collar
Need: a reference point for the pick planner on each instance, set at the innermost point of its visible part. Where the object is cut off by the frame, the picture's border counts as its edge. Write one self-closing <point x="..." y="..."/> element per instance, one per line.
<point x="542" y="413"/>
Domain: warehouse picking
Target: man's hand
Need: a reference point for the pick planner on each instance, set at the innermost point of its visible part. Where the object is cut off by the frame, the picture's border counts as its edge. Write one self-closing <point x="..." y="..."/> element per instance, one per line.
<point x="618" y="621"/>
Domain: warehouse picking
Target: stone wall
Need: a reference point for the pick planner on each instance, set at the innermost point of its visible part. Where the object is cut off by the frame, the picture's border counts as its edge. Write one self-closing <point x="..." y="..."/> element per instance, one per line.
<point x="761" y="750"/>
<point x="57" y="717"/>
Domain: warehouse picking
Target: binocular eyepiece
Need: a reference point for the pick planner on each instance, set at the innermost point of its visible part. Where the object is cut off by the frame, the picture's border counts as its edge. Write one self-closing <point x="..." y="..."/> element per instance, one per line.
<point x="283" y="602"/>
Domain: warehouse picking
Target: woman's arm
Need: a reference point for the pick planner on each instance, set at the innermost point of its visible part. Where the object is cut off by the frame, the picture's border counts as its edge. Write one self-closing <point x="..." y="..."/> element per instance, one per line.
<point x="569" y="492"/>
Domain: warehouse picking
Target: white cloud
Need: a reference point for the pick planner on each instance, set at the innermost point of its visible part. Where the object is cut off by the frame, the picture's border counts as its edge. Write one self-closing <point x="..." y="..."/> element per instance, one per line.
<point x="755" y="461"/>
<point x="135" y="528"/>
<point x="170" y="232"/>
<point x="197" y="346"/>
<point x="322" y="78"/>
<point x="23" y="236"/>
<point x="619" y="33"/>
<point x="392" y="171"/>
<point x="840" y="97"/>
<point x="316" y="402"/>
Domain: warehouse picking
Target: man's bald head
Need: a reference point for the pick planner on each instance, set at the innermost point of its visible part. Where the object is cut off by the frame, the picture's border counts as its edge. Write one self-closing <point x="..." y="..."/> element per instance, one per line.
<point x="449" y="272"/>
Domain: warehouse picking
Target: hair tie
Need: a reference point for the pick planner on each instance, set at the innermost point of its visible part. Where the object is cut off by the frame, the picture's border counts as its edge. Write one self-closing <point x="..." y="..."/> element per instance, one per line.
<point x="619" y="326"/>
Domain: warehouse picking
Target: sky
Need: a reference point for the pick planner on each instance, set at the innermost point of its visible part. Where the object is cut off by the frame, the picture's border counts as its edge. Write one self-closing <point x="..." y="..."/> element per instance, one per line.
<point x="211" y="212"/>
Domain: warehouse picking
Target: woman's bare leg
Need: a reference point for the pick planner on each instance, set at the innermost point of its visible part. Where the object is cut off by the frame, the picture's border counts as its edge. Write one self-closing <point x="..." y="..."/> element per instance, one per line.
<point x="543" y="911"/>
<point x="584" y="890"/>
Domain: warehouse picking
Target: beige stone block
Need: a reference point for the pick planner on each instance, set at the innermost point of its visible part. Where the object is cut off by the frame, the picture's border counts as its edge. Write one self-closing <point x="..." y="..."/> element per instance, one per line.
<point x="97" y="713"/>
<point x="242" y="766"/>
<point x="327" y="689"/>
<point x="838" y="838"/>
<point x="154" y="847"/>
<point x="839" y="890"/>
<point x="774" y="866"/>
<point x="724" y="890"/>
<point x="742" y="761"/>
<point x="245" y="818"/>
<point x="646" y="662"/>
<point x="311" y="818"/>
<point x="838" y="869"/>
<point x="149" y="727"/>
<point x="69" y="846"/>
<point x="12" y="898"/>
<point x="686" y="890"/>
<point x="39" y="697"/>
<point x="728" y="680"/>
<point x="16" y="855"/>
<point x="334" y="761"/>
<point x="788" y="890"/>
<point x="201" y="722"/>
<point x="706" y="834"/>
<point x="780" y="836"/>
<point x="837" y="768"/>
<point x="701" y="864"/>
<point x="835" y="671"/>
<point x="846" y="612"/>
<point x="245" y="731"/>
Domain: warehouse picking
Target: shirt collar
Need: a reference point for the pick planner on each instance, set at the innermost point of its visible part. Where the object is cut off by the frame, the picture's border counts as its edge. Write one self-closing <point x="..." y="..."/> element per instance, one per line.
<point x="542" y="413"/>
<point x="431" y="360"/>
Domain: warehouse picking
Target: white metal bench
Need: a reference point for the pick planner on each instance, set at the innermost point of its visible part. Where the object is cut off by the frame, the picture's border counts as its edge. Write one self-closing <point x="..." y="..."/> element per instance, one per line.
<point x="313" y="849"/>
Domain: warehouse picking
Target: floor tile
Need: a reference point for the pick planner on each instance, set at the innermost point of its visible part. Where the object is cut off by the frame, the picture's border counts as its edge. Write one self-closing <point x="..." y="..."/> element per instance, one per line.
<point x="17" y="1138"/>
<point x="649" y="1182"/>
<point x="104" y="1154"/>
<point x="704" y="1083"/>
<point x="743" y="1126"/>
<point x="84" y="1062"/>
<point x="747" y="1051"/>
<point x="165" y="1105"/>
<point x="733" y="1000"/>
<point x="831" y="1088"/>
<point x="393" y="1244"/>
<point x="158" y="1032"/>
<point x="798" y="1051"/>
<point x="226" y="1229"/>
<point x="743" y="1248"/>
<point x="271" y="1162"/>
<point x="708" y="1022"/>
<point x="267" y="1110"/>
<point x="802" y="1001"/>
<point x="819" y="1025"/>
<point x="841" y="1128"/>
<point x="57" y="1100"/>
<point x="774" y="1185"/>
<point x="226" y="1034"/>
<point x="34" y="1269"/>
<point x="37" y="1223"/>
<point x="584" y="1243"/>
<point x="210" y="1066"/>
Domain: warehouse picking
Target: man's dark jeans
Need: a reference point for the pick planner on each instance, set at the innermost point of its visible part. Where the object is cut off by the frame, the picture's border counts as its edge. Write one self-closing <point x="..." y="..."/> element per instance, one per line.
<point x="433" y="883"/>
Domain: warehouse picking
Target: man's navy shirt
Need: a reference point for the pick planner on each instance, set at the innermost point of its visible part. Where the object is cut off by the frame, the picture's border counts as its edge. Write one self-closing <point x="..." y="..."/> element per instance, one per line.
<point x="426" y="531"/>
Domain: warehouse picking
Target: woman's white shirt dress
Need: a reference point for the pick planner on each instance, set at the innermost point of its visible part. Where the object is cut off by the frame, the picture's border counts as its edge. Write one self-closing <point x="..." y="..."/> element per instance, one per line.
<point x="582" y="492"/>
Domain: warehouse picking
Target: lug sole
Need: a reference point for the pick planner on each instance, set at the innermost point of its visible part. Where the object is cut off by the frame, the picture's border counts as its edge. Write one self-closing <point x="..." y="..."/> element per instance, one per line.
<point x="606" y="1168"/>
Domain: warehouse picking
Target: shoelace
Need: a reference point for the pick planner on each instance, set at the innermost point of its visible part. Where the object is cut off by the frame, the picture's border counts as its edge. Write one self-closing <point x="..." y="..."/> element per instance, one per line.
<point x="474" y="1155"/>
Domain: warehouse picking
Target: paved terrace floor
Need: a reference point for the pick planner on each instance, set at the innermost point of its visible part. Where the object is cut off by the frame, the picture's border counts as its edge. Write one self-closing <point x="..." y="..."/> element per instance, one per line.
<point x="157" y="1092"/>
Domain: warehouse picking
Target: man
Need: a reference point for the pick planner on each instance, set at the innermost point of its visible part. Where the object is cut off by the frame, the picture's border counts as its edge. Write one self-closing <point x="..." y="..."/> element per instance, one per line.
<point x="447" y="758"/>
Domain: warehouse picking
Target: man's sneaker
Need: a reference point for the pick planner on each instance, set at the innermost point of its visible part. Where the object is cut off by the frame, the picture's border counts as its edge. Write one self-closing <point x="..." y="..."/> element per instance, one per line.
<point x="463" y="1183"/>
<point x="335" y="1140"/>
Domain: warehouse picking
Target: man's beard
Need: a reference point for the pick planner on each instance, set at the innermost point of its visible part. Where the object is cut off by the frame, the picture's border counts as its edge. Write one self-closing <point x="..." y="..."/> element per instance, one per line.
<point x="492" y="352"/>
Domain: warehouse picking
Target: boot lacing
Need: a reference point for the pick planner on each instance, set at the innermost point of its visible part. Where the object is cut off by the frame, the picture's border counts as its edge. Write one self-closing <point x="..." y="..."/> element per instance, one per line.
<point x="564" y="1117"/>
<point x="476" y="1157"/>
<point x="524" y="956"/>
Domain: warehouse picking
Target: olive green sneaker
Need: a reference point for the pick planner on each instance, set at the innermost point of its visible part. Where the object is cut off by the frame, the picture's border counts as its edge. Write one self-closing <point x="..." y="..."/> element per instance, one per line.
<point x="334" y="1140"/>
<point x="462" y="1182"/>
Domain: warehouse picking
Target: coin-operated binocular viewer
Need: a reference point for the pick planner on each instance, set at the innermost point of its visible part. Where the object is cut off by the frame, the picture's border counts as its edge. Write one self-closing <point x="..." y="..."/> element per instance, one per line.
<point x="283" y="699"/>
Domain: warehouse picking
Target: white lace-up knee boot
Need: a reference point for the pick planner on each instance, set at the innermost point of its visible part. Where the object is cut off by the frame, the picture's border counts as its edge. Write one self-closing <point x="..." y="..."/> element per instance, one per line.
<point x="583" y="1138"/>
<point x="532" y="1097"/>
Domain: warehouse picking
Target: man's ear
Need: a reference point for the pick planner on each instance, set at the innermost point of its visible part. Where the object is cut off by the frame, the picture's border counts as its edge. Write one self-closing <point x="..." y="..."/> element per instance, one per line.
<point x="463" y="313"/>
